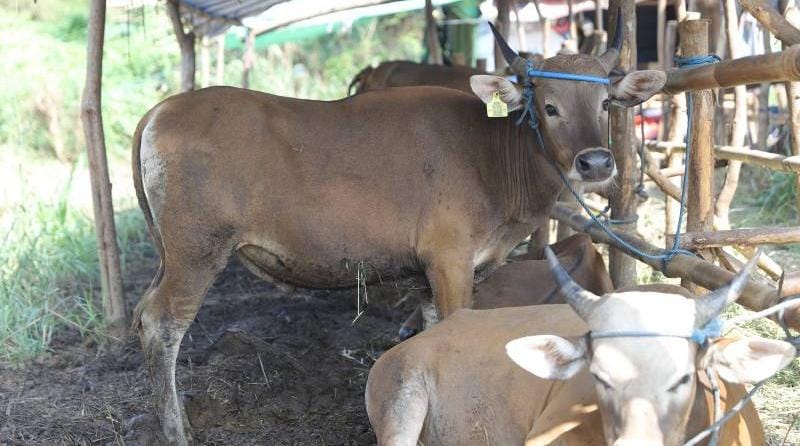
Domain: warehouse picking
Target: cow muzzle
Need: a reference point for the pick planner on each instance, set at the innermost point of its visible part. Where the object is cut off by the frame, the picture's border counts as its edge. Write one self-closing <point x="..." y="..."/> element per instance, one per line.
<point x="593" y="165"/>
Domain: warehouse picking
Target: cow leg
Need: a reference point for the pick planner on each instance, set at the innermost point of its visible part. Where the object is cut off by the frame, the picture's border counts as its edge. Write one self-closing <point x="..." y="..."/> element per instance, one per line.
<point x="451" y="284"/>
<point x="539" y="239"/>
<point x="163" y="316"/>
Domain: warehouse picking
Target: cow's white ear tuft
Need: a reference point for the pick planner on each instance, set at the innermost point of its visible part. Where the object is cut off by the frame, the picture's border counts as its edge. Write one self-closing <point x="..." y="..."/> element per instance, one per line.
<point x="546" y="356"/>
<point x="748" y="361"/>
<point x="638" y="86"/>
<point x="484" y="85"/>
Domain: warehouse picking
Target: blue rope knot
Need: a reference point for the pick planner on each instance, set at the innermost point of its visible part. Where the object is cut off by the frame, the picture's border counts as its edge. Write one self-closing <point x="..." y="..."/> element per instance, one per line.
<point x="711" y="330"/>
<point x="690" y="61"/>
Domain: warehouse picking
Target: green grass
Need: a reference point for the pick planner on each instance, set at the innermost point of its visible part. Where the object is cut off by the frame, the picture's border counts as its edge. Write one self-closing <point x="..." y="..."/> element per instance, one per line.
<point x="48" y="273"/>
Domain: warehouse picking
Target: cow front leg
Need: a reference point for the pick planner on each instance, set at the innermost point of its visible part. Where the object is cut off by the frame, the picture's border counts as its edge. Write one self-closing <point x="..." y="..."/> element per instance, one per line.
<point x="451" y="284"/>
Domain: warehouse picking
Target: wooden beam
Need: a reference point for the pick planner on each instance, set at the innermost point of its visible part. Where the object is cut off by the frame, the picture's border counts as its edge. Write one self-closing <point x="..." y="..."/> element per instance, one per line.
<point x="756" y="295"/>
<point x="775" y="67"/>
<point x="186" y="44"/>
<point x="737" y="237"/>
<point x="768" y="160"/>
<point x="103" y="206"/>
<point x="221" y="59"/>
<point x="623" y="200"/>
<point x="306" y="13"/>
<point x="793" y="97"/>
<point x="772" y="20"/>
<point x="739" y="127"/>
<point x="248" y="58"/>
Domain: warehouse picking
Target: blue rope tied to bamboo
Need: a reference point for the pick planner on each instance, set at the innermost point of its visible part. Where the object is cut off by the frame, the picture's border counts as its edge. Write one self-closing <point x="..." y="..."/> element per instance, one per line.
<point x="528" y="97"/>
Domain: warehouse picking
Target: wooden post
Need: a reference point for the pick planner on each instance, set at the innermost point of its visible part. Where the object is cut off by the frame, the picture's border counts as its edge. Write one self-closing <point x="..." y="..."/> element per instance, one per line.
<point x="502" y="24"/>
<point x="676" y="130"/>
<point x="622" y="200"/>
<point x="221" y="59"/>
<point x="573" y="25"/>
<point x="739" y="128"/>
<point x="248" y="58"/>
<point x="792" y="15"/>
<point x="772" y="20"/>
<point x="105" y="229"/>
<point x="661" y="33"/>
<point x="205" y="62"/>
<point x="521" y="34"/>
<point x="432" y="36"/>
<point x="598" y="15"/>
<point x="763" y="100"/>
<point x="699" y="197"/>
<point x="186" y="43"/>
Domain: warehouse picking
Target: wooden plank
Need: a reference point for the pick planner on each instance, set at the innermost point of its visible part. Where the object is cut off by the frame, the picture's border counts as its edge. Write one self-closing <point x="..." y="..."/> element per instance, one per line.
<point x="768" y="160"/>
<point x="622" y="199"/>
<point x="756" y="296"/>
<point x="738" y="237"/>
<point x="103" y="207"/>
<point x="772" y="20"/>
<point x="775" y="67"/>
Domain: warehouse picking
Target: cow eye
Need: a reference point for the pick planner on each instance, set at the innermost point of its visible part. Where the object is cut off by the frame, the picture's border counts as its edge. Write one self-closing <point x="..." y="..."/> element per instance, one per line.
<point x="684" y="379"/>
<point x="602" y="381"/>
<point x="606" y="103"/>
<point x="551" y="110"/>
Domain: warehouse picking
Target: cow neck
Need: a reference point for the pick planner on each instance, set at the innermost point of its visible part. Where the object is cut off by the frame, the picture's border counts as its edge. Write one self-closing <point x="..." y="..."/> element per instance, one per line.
<point x="525" y="174"/>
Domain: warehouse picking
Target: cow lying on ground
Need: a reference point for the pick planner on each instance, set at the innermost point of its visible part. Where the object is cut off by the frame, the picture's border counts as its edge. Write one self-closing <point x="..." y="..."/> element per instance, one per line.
<point x="523" y="281"/>
<point x="454" y="384"/>
<point x="383" y="184"/>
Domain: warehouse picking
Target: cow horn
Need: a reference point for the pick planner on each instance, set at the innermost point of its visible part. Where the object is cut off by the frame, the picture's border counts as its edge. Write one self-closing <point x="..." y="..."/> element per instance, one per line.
<point x="582" y="301"/>
<point x="508" y="54"/>
<point x="611" y="56"/>
<point x="712" y="304"/>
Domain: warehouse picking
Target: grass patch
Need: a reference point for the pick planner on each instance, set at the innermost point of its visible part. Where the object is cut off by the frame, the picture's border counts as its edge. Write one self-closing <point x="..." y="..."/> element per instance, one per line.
<point x="49" y="273"/>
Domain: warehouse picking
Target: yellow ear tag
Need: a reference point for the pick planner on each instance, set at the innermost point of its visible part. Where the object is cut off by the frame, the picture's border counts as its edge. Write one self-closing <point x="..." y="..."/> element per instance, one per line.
<point x="496" y="108"/>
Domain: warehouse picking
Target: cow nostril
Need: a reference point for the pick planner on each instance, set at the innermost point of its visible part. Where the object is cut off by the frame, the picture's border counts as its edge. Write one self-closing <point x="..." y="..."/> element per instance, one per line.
<point x="583" y="165"/>
<point x="609" y="162"/>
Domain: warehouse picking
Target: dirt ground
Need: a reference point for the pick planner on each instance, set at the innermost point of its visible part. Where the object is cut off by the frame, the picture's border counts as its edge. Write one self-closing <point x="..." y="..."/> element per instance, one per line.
<point x="260" y="365"/>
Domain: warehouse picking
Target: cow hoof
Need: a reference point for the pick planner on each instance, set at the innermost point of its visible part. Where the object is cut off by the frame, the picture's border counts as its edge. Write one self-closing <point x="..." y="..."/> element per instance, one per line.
<point x="406" y="332"/>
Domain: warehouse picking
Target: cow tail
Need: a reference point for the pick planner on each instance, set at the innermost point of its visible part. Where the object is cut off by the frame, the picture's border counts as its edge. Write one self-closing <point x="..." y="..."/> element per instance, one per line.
<point x="359" y="81"/>
<point x="141" y="197"/>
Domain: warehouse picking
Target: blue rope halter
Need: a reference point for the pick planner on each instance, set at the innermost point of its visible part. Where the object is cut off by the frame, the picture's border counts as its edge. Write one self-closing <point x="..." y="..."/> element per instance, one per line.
<point x="528" y="99"/>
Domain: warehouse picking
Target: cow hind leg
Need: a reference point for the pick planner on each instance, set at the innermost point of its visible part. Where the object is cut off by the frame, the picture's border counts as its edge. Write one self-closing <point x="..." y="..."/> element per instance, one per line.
<point x="162" y="316"/>
<point x="397" y="415"/>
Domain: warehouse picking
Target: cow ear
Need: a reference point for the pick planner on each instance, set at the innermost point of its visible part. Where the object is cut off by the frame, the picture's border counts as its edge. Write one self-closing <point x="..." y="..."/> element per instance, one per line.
<point x="485" y="85"/>
<point x="748" y="361"/>
<point x="546" y="356"/>
<point x="637" y="87"/>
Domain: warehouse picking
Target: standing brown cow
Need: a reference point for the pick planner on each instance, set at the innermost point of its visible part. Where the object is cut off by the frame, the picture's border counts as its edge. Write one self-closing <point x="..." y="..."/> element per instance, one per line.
<point x="404" y="73"/>
<point x="400" y="181"/>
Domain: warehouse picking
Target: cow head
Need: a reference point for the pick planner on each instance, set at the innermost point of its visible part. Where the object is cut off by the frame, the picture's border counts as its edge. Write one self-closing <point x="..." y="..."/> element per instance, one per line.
<point x="646" y="385"/>
<point x="573" y="115"/>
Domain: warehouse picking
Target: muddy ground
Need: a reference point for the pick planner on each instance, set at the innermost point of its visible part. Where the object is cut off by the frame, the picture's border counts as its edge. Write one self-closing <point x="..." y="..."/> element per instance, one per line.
<point x="260" y="365"/>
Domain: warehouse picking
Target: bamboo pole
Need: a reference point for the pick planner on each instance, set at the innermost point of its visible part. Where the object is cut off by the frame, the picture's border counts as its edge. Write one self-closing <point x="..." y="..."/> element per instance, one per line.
<point x="772" y="20"/>
<point x="622" y="200"/>
<point x="775" y="67"/>
<point x="598" y="15"/>
<point x="771" y="161"/>
<point x="792" y="15"/>
<point x="103" y="206"/>
<point x="432" y="36"/>
<point x="573" y="25"/>
<point x="739" y="128"/>
<point x="756" y="296"/>
<point x="661" y="33"/>
<point x="545" y="25"/>
<point x="676" y="124"/>
<point x="522" y="41"/>
<point x="248" y="57"/>
<point x="186" y="44"/>
<point x="221" y="59"/>
<point x="737" y="237"/>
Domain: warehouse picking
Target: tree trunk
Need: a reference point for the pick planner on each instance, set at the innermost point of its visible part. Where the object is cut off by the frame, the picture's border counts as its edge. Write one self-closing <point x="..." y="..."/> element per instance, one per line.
<point x="186" y="43"/>
<point x="622" y="199"/>
<point x="92" y="119"/>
